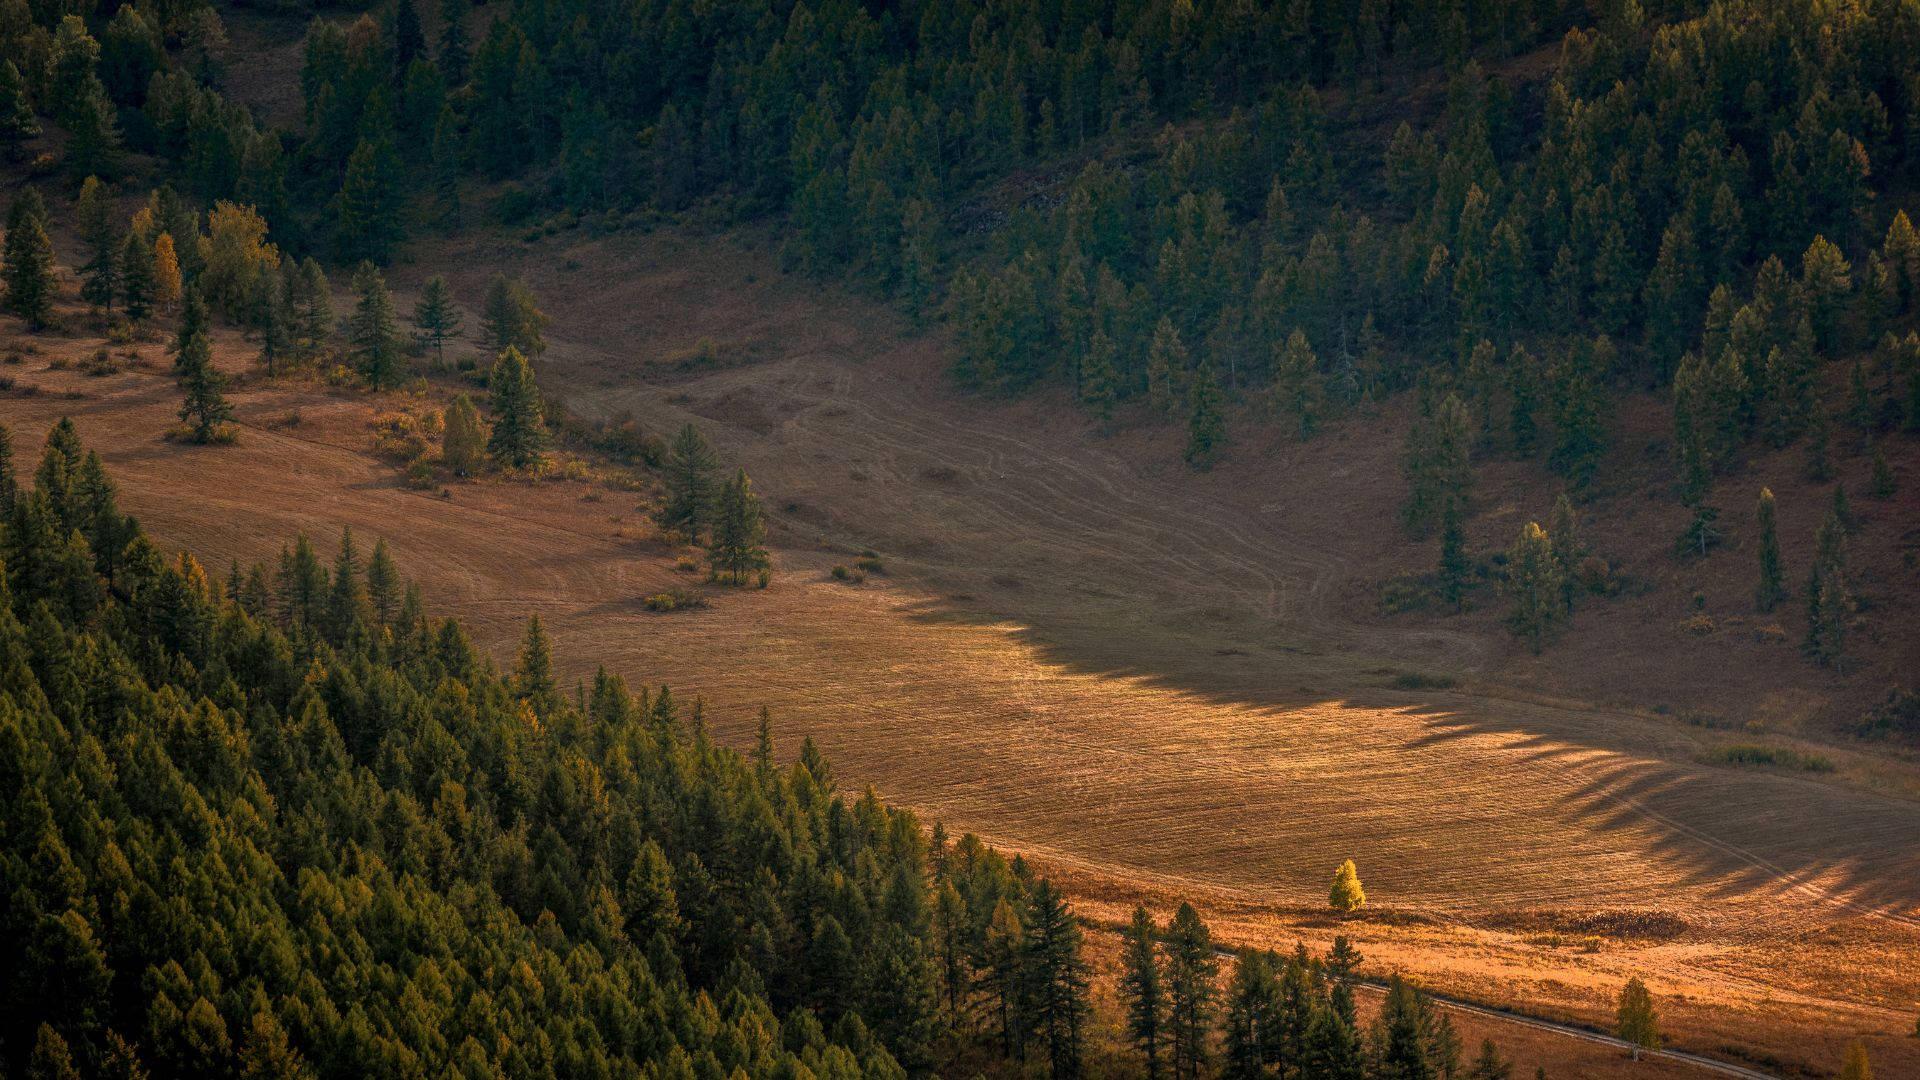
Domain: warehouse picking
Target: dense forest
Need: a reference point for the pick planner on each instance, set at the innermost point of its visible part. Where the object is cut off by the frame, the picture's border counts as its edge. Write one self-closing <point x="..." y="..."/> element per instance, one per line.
<point x="283" y="824"/>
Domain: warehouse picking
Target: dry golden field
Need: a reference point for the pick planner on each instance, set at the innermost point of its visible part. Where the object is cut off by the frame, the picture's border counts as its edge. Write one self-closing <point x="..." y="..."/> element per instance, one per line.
<point x="1158" y="685"/>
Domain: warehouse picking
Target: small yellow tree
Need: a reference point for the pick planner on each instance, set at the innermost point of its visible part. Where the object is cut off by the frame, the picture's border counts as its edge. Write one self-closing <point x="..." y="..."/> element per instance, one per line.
<point x="166" y="273"/>
<point x="1347" y="895"/>
<point x="464" y="446"/>
<point x="1856" y="1067"/>
<point x="1637" y="1024"/>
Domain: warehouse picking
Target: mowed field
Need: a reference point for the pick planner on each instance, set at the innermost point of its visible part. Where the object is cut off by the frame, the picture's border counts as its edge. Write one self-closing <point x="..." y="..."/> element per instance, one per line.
<point x="1161" y="686"/>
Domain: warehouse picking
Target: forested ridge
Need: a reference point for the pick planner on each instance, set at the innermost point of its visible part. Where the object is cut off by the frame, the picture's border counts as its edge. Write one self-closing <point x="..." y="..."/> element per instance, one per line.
<point x="282" y="823"/>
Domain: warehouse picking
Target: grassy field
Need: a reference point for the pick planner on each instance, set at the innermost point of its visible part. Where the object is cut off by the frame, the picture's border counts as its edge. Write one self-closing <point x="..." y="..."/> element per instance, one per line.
<point x="1160" y="685"/>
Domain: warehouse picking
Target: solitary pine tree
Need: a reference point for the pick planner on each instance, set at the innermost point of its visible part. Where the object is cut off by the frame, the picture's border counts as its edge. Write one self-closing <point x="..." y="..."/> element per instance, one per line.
<point x="533" y="681"/>
<point x="27" y="262"/>
<point x="94" y="217"/>
<point x="1533" y="581"/>
<point x="137" y="277"/>
<point x="689" y="477"/>
<point x="1058" y="981"/>
<point x="1772" y="588"/>
<point x="1634" y="1020"/>
<point x="519" y="424"/>
<point x="435" y="318"/>
<point x="737" y="547"/>
<point x="205" y="409"/>
<point x="1346" y="893"/>
<point x="1206" y="421"/>
<point x="376" y="342"/>
<point x="1141" y="992"/>
<point x="1190" y="973"/>
<point x="463" y="446"/>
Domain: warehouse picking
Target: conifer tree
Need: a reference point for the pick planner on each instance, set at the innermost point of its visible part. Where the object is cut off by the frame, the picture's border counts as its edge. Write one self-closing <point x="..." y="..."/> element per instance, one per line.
<point x="1346" y="893"/>
<point x="1533" y="581"/>
<point x="445" y="155"/>
<point x="1634" y="1019"/>
<point x="1829" y="604"/>
<point x="1003" y="971"/>
<point x="27" y="264"/>
<point x="313" y="307"/>
<point x="1563" y="528"/>
<point x="1298" y="386"/>
<point x="435" y="318"/>
<point x="137" y="284"/>
<point x="93" y="146"/>
<point x="1099" y="379"/>
<point x="454" y="47"/>
<point x="17" y="122"/>
<point x="205" y="408"/>
<point x="533" y="681"/>
<point x="1580" y="433"/>
<point x="272" y="315"/>
<point x="1400" y="1039"/>
<point x="519" y="437"/>
<point x="1059" y="981"/>
<point x="510" y="318"/>
<point x="9" y="481"/>
<point x="1206" y="420"/>
<point x="1190" y="972"/>
<point x="384" y="584"/>
<point x="463" y="446"/>
<point x="1166" y="368"/>
<point x="689" y="479"/>
<point x="1523" y="390"/>
<point x="736" y="548"/>
<point x="1819" y="465"/>
<point x="1771" y="589"/>
<point x="346" y="597"/>
<point x="1856" y="1066"/>
<point x="1438" y="468"/>
<point x="1455" y="567"/>
<point x="409" y="41"/>
<point x="1141" y="991"/>
<point x="1489" y="1065"/>
<point x="1883" y="485"/>
<point x="376" y="341"/>
<point x="1251" y="1017"/>
<point x="93" y="215"/>
<point x="168" y="284"/>
<point x="370" y="203"/>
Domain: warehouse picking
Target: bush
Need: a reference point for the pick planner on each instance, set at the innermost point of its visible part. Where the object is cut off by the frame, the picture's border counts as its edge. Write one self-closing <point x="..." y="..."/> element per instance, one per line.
<point x="1776" y="756"/>
<point x="841" y="572"/>
<point x="1416" y="680"/>
<point x="99" y="364"/>
<point x="869" y="564"/>
<point x="1898" y="714"/>
<point x="687" y="564"/>
<point x="399" y="437"/>
<point x="1699" y="624"/>
<point x="674" y="599"/>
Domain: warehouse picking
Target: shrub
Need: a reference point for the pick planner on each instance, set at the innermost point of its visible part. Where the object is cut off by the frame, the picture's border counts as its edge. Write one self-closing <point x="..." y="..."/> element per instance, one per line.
<point x="674" y="599"/>
<point x="1698" y="624"/>
<point x="1416" y="680"/>
<point x="869" y="564"/>
<point x="99" y="364"/>
<point x="1898" y="714"/>
<point x="687" y="564"/>
<point x="841" y="572"/>
<point x="398" y="437"/>
<point x="1777" y="756"/>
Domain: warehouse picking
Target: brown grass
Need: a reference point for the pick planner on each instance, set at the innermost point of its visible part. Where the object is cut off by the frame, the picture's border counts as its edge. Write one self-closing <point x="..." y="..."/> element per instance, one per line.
<point x="1159" y="685"/>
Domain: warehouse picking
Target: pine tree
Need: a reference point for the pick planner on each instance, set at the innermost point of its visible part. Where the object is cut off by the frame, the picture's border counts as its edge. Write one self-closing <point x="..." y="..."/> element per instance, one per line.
<point x="1141" y="991"/>
<point x="1439" y="470"/>
<point x="1206" y="422"/>
<point x="1523" y="389"/>
<point x="1771" y="589"/>
<point x="519" y="437"/>
<point x="1190" y="972"/>
<point x="383" y="583"/>
<point x="1489" y="1065"/>
<point x="1563" y="527"/>
<point x="272" y="315"/>
<point x="376" y="342"/>
<point x="9" y="481"/>
<point x="1883" y="485"/>
<point x="27" y="264"/>
<point x="445" y="154"/>
<point x="736" y="548"/>
<point x="1634" y="1019"/>
<point x="1533" y="581"/>
<point x="1455" y="568"/>
<point x="533" y="681"/>
<point x="689" y="480"/>
<point x="94" y="144"/>
<point x="17" y="123"/>
<point x="313" y="307"/>
<point x="1297" y="384"/>
<point x="137" y="284"/>
<point x="1400" y="1038"/>
<point x="1166" y="368"/>
<point x="463" y="446"/>
<point x="1059" y="981"/>
<point x="409" y="41"/>
<point x="370" y="203"/>
<point x="346" y="598"/>
<point x="1251" y="1017"/>
<point x="435" y="318"/>
<point x="1346" y="893"/>
<point x="510" y="318"/>
<point x="205" y="408"/>
<point x="454" y="48"/>
<point x="93" y="216"/>
<point x="1003" y="972"/>
<point x="1099" y="380"/>
<point x="1829" y="604"/>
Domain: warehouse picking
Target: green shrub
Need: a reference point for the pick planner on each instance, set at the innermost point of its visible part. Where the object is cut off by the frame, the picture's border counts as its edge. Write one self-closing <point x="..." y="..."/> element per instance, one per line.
<point x="1776" y="756"/>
